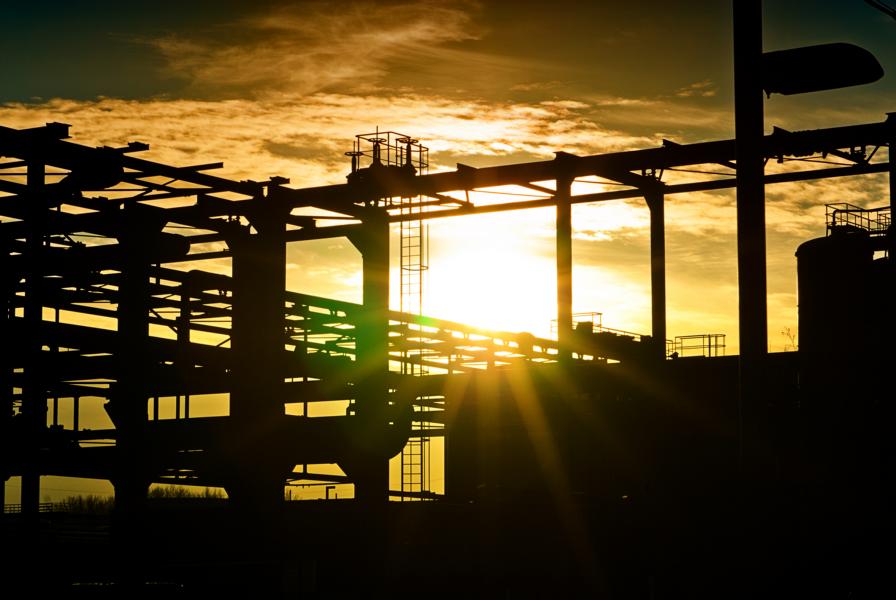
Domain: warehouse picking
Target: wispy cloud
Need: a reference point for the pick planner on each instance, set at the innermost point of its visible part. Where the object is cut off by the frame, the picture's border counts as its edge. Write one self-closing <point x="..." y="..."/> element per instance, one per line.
<point x="316" y="46"/>
<point x="702" y="89"/>
<point x="673" y="116"/>
<point x="539" y="86"/>
<point x="303" y="137"/>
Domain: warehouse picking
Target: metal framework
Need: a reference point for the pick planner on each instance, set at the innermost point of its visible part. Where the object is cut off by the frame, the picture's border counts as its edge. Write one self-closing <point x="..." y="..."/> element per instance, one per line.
<point x="105" y="292"/>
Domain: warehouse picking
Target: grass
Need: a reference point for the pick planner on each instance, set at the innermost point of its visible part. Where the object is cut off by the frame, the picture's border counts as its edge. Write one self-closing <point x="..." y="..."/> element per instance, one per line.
<point x="85" y="505"/>
<point x="93" y="504"/>
<point x="180" y="492"/>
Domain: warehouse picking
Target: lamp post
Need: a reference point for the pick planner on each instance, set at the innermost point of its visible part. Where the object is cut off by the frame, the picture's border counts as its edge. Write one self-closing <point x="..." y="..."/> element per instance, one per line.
<point x="792" y="71"/>
<point x="751" y="263"/>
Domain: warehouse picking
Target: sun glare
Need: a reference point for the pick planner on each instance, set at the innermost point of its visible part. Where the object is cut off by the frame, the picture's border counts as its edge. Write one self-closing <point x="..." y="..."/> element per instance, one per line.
<point x="491" y="271"/>
<point x="497" y="271"/>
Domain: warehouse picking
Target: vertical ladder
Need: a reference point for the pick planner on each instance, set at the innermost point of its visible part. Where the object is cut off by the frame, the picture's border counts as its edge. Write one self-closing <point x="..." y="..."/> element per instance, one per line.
<point x="414" y="259"/>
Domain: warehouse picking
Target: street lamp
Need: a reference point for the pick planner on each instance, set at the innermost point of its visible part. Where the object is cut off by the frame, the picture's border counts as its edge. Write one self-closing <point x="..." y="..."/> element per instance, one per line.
<point x="817" y="68"/>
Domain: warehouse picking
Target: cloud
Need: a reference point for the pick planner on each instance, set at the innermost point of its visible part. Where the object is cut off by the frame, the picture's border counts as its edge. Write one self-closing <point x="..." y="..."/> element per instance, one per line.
<point x="315" y="46"/>
<point x="539" y="86"/>
<point x="607" y="221"/>
<point x="701" y="89"/>
<point x="304" y="137"/>
<point x="683" y="119"/>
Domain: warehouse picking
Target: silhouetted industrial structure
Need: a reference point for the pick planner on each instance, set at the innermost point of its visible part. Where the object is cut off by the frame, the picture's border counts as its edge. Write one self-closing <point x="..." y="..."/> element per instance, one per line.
<point x="593" y="460"/>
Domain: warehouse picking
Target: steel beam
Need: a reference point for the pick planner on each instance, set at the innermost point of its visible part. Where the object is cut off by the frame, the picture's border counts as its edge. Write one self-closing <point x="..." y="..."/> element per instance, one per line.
<point x="677" y="188"/>
<point x="341" y="197"/>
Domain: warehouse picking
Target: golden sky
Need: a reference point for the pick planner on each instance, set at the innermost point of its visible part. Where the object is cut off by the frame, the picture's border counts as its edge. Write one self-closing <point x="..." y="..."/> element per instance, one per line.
<point x="281" y="88"/>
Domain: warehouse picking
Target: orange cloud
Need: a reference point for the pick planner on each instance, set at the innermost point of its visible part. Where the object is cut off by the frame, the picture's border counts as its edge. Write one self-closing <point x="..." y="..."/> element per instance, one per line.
<point x="315" y="46"/>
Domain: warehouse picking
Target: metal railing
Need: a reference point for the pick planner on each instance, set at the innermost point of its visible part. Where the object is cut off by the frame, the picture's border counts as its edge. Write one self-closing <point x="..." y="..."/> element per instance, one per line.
<point x="703" y="344"/>
<point x="43" y="507"/>
<point x="841" y="215"/>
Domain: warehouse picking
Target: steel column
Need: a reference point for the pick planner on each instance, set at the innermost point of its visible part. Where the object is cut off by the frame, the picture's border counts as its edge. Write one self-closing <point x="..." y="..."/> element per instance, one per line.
<point x="257" y="471"/>
<point x="564" y="266"/>
<point x="750" y="184"/>
<point x="655" y="203"/>
<point x="129" y="399"/>
<point x="6" y="405"/>
<point x="751" y="257"/>
<point x="372" y="339"/>
<point x="891" y="152"/>
<point x="34" y="403"/>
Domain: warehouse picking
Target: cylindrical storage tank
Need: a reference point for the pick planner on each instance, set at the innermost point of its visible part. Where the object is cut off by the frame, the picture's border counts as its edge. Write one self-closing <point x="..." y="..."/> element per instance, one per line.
<point x="834" y="284"/>
<point x="835" y="328"/>
<point x="846" y="321"/>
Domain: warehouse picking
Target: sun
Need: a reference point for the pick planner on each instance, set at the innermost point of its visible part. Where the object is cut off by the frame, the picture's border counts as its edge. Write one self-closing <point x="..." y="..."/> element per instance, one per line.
<point x="493" y="271"/>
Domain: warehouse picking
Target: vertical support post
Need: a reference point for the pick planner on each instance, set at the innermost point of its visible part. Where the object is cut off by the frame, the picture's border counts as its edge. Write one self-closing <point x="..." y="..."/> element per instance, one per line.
<point x="750" y="178"/>
<point x="751" y="259"/>
<point x="259" y="280"/>
<point x="564" y="267"/>
<point x="373" y="337"/>
<point x="372" y="357"/>
<point x="129" y="401"/>
<point x="183" y="348"/>
<point x="128" y="397"/>
<point x="891" y="151"/>
<point x="5" y="366"/>
<point x="655" y="203"/>
<point x="34" y="402"/>
<point x="257" y="346"/>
